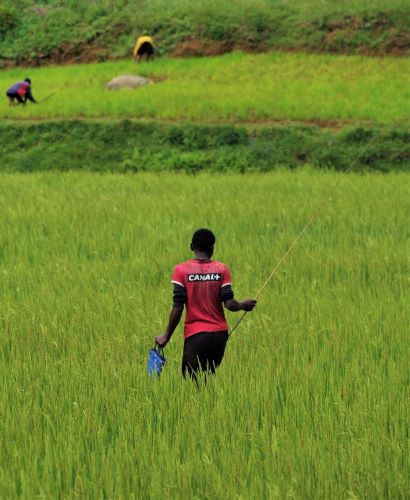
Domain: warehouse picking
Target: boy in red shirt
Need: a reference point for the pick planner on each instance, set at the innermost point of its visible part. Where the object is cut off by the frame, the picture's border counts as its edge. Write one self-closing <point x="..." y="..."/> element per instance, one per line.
<point x="202" y="285"/>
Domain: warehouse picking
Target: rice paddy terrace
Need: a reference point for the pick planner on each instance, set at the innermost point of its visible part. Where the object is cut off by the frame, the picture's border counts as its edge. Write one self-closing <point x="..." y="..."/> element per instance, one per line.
<point x="234" y="112"/>
<point x="100" y="191"/>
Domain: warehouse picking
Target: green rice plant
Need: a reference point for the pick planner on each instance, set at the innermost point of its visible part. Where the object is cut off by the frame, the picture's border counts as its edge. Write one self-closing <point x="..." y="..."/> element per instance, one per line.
<point x="233" y="88"/>
<point x="311" y="400"/>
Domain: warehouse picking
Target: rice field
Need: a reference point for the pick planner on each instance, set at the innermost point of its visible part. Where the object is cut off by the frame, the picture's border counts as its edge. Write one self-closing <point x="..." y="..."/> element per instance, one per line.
<point x="232" y="88"/>
<point x="312" y="399"/>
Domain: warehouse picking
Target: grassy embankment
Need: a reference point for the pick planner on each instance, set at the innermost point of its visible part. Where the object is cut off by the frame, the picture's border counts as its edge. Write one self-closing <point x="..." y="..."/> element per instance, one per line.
<point x="131" y="147"/>
<point x="312" y="398"/>
<point x="34" y="32"/>
<point x="334" y="91"/>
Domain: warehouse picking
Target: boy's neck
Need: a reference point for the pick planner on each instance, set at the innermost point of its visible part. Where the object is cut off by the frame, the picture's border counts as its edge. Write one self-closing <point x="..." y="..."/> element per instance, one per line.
<point x="199" y="255"/>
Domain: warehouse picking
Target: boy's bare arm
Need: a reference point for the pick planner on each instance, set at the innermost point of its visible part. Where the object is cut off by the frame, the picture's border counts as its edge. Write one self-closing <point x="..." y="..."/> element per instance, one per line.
<point x="174" y="319"/>
<point x="236" y="305"/>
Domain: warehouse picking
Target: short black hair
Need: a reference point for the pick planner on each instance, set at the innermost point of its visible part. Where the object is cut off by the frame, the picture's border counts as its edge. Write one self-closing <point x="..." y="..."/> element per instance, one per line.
<point x="27" y="80"/>
<point x="203" y="239"/>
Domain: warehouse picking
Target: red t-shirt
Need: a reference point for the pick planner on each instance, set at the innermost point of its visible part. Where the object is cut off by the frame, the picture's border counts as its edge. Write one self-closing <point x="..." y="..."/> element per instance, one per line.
<point x="202" y="281"/>
<point x="22" y="90"/>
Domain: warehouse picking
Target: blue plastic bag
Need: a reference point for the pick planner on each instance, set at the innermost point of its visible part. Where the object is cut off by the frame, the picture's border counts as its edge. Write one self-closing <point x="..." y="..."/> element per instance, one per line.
<point x="156" y="361"/>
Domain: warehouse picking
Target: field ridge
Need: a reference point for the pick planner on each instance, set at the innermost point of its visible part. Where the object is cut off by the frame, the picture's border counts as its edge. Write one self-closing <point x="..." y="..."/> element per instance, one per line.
<point x="132" y="146"/>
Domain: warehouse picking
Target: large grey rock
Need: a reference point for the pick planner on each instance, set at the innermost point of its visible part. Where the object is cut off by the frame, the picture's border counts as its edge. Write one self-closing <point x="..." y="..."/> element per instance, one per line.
<point x="128" y="81"/>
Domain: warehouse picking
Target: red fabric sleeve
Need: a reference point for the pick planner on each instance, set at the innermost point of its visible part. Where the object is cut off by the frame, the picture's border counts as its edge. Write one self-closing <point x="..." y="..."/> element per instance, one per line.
<point x="178" y="277"/>
<point x="227" y="277"/>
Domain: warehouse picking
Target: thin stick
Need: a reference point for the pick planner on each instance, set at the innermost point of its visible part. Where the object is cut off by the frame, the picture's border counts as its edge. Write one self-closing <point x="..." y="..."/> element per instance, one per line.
<point x="311" y="220"/>
<point x="45" y="98"/>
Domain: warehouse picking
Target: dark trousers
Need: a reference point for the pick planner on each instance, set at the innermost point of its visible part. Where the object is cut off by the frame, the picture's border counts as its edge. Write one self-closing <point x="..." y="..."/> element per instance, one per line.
<point x="203" y="352"/>
<point x="146" y="50"/>
<point x="15" y="95"/>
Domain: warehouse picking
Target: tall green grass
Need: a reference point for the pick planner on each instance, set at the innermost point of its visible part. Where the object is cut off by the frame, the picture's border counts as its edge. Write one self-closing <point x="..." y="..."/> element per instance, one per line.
<point x="232" y="88"/>
<point x="312" y="398"/>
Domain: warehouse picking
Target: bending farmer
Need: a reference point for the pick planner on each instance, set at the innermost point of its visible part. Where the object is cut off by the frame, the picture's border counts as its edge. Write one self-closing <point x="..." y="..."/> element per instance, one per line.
<point x="144" y="47"/>
<point x="21" y="91"/>
<point x="202" y="285"/>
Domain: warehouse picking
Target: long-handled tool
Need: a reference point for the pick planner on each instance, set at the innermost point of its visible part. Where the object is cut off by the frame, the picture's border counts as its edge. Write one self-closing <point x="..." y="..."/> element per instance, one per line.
<point x="45" y="98"/>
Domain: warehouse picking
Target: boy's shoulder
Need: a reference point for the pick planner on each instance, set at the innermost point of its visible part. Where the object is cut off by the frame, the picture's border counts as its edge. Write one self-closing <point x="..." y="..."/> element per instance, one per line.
<point x="193" y="263"/>
<point x="219" y="263"/>
<point x="185" y="263"/>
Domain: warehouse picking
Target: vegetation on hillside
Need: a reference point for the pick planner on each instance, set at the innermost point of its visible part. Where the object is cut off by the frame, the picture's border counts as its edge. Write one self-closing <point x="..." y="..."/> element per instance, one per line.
<point x="37" y="32"/>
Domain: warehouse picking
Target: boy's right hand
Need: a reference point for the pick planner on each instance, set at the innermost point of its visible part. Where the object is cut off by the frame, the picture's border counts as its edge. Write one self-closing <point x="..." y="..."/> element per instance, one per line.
<point x="248" y="304"/>
<point x="162" y="340"/>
